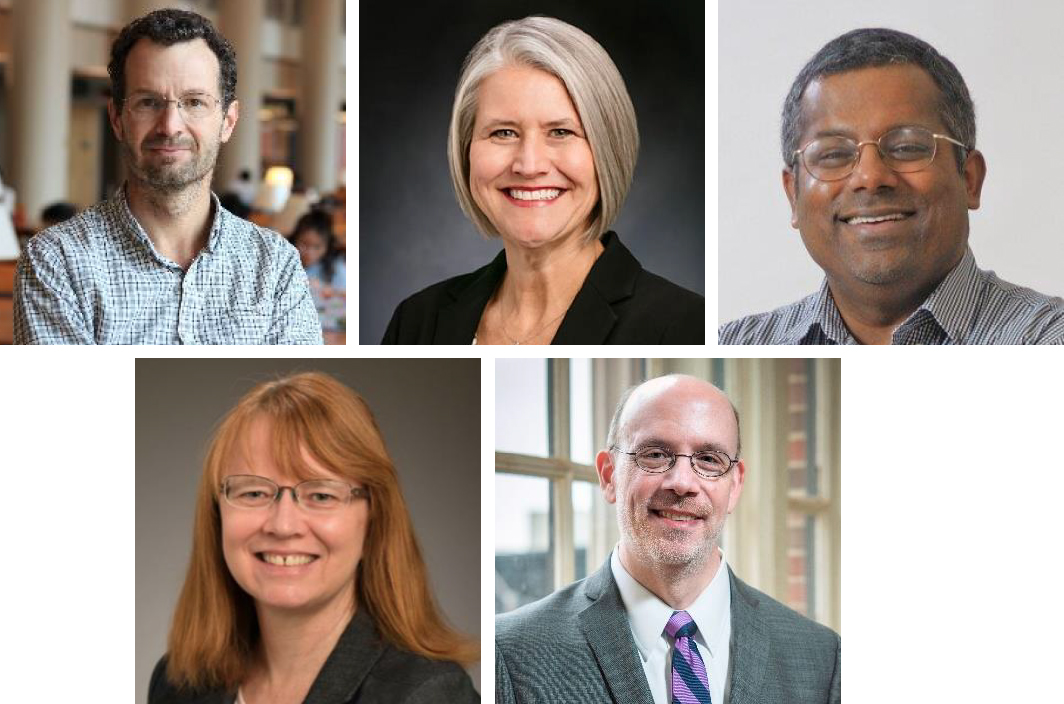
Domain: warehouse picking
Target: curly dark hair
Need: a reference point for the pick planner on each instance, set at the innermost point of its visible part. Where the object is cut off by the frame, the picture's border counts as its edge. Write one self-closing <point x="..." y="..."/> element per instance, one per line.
<point x="169" y="27"/>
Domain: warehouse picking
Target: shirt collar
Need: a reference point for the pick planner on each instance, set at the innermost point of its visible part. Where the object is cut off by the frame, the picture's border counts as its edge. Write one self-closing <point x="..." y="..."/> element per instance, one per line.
<point x="820" y="319"/>
<point x="125" y="214"/>
<point x="952" y="305"/>
<point x="648" y="614"/>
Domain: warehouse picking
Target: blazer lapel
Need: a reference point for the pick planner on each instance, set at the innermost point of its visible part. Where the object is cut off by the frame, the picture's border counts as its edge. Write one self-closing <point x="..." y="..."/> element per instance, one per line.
<point x="749" y="645"/>
<point x="354" y="656"/>
<point x="456" y="322"/>
<point x="609" y="636"/>
<point x="612" y="279"/>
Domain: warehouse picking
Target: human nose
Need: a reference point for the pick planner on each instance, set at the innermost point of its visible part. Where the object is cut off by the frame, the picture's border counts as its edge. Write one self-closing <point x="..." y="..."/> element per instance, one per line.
<point x="284" y="515"/>
<point x="531" y="158"/>
<point x="871" y="171"/>
<point x="170" y="120"/>
<point x="682" y="479"/>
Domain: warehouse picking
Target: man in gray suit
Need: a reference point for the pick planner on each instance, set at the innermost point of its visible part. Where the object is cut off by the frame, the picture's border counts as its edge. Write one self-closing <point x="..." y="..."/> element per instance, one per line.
<point x="665" y="620"/>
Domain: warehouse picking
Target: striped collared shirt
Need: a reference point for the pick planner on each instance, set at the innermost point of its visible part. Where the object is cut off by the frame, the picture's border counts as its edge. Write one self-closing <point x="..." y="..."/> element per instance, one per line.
<point x="969" y="307"/>
<point x="98" y="279"/>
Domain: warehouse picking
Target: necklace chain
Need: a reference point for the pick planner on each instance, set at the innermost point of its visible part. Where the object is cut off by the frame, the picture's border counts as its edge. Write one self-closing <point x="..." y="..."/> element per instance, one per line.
<point x="535" y="332"/>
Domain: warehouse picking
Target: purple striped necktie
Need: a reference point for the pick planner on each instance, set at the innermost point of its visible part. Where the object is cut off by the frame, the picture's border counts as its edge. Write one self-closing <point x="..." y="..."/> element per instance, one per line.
<point x="690" y="685"/>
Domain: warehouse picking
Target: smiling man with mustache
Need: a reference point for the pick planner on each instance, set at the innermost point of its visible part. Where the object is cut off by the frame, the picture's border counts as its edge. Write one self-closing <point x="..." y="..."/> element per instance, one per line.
<point x="162" y="262"/>
<point x="665" y="619"/>
<point x="878" y="136"/>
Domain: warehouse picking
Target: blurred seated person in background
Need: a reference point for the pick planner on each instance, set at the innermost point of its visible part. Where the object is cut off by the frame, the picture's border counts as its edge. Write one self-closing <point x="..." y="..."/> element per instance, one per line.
<point x="324" y="263"/>
<point x="322" y="260"/>
<point x="161" y="261"/>
<point x="56" y="213"/>
<point x="243" y="187"/>
<point x="298" y="204"/>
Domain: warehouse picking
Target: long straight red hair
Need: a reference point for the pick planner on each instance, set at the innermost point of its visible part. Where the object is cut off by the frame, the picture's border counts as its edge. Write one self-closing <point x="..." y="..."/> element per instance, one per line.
<point x="215" y="630"/>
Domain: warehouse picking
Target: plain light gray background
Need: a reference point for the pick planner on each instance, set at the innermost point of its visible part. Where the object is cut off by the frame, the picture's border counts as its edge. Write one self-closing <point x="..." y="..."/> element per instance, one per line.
<point x="427" y="409"/>
<point x="1011" y="56"/>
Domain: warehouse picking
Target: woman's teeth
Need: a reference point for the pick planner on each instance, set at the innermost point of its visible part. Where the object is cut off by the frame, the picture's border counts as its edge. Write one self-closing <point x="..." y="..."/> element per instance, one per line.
<point x="542" y="194"/>
<point x="287" y="560"/>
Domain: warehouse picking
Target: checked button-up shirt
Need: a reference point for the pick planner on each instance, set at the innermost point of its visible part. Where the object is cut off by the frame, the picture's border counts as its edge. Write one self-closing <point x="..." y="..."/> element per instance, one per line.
<point x="98" y="279"/>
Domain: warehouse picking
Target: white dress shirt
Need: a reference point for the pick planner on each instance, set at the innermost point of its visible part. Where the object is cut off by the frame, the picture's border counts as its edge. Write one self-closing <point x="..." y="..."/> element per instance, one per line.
<point x="647" y="616"/>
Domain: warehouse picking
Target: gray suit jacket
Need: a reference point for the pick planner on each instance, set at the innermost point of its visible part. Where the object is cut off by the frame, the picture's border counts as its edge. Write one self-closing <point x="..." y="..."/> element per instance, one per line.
<point x="576" y="646"/>
<point x="361" y="669"/>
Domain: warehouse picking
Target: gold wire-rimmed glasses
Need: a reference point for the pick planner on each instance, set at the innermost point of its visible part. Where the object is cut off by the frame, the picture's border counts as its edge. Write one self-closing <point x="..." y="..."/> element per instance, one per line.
<point x="902" y="149"/>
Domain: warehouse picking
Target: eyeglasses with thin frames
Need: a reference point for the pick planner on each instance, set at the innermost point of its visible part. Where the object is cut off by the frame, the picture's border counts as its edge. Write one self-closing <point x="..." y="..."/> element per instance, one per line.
<point x="318" y="495"/>
<point x="903" y="149"/>
<point x="192" y="106"/>
<point x="708" y="464"/>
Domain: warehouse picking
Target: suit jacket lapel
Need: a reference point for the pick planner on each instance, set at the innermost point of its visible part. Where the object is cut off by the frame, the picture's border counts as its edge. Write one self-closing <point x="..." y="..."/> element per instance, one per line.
<point x="456" y="323"/>
<point x="612" y="279"/>
<point x="609" y="636"/>
<point x="749" y="644"/>
<point x="354" y="656"/>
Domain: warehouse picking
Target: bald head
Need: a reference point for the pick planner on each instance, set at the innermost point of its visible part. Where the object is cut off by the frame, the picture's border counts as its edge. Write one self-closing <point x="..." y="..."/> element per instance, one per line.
<point x="639" y="404"/>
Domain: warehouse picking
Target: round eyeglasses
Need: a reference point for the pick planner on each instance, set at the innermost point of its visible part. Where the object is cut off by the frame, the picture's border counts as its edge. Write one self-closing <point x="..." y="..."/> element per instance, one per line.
<point x="903" y="149"/>
<point x="250" y="491"/>
<point x="194" y="106"/>
<point x="709" y="464"/>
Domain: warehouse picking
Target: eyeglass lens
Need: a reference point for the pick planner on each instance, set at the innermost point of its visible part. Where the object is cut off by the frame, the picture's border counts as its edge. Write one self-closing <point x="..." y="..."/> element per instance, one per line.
<point x="248" y="491"/>
<point x="904" y="150"/>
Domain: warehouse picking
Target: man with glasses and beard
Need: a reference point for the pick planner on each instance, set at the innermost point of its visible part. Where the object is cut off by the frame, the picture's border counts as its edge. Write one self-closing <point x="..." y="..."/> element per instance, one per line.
<point x="665" y="619"/>
<point x="162" y="262"/>
<point x="881" y="169"/>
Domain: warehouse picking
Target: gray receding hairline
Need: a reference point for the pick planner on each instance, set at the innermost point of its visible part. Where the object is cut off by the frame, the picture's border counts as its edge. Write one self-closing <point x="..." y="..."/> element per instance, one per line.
<point x="594" y="85"/>
<point x="877" y="47"/>
<point x="612" y="435"/>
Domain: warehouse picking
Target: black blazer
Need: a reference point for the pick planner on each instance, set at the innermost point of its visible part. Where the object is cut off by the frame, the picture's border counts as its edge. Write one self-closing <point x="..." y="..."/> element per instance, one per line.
<point x="361" y="669"/>
<point x="620" y="303"/>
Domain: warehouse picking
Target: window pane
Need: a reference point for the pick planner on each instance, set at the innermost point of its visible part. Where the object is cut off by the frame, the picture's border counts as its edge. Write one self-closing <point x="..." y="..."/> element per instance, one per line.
<point x="802" y="471"/>
<point x="583" y="494"/>
<point x="524" y="555"/>
<point x="521" y="406"/>
<point x="801" y="552"/>
<point x="580" y="441"/>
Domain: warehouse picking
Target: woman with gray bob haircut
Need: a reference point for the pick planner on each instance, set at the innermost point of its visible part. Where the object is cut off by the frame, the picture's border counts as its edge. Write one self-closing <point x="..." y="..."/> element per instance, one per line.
<point x="542" y="147"/>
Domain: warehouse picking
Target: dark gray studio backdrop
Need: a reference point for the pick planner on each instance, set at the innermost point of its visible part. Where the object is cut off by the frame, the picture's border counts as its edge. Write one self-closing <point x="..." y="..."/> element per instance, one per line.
<point x="427" y="409"/>
<point x="411" y="231"/>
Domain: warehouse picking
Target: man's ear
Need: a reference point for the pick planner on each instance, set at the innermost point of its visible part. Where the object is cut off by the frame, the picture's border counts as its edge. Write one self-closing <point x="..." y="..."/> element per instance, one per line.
<point x="739" y="476"/>
<point x="114" y="114"/>
<point x="790" y="187"/>
<point x="974" y="175"/>
<point x="605" y="467"/>
<point x="232" y="114"/>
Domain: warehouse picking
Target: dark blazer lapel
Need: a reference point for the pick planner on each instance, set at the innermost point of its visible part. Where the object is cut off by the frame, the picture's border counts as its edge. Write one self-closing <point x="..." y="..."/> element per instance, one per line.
<point x="749" y="645"/>
<point x="610" y="638"/>
<point x="612" y="278"/>
<point x="456" y="322"/>
<point x="354" y="656"/>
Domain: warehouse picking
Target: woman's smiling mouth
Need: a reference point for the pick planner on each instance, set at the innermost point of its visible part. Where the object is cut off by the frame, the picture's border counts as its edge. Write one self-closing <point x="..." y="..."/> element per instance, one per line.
<point x="532" y="197"/>
<point x="285" y="560"/>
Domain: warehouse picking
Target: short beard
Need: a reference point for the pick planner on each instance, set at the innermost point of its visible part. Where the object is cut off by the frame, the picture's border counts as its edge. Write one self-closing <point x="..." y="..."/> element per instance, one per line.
<point x="667" y="553"/>
<point x="169" y="181"/>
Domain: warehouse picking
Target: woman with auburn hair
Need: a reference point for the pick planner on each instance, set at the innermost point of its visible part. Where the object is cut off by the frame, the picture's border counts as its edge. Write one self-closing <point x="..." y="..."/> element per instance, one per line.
<point x="306" y="583"/>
